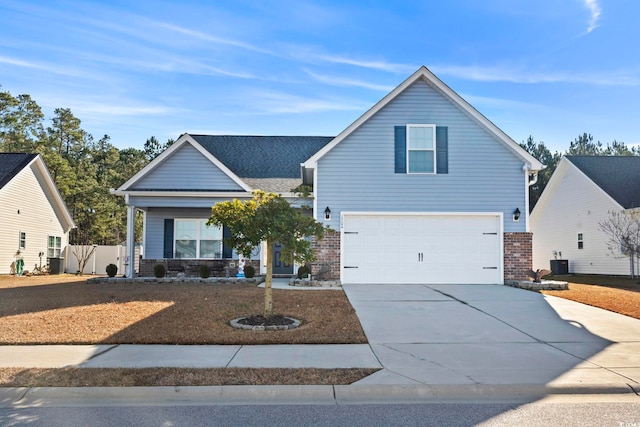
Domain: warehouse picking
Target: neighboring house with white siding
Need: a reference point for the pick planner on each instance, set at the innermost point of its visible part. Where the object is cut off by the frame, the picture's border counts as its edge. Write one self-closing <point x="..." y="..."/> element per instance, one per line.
<point x="422" y="188"/>
<point x="580" y="194"/>
<point x="34" y="219"/>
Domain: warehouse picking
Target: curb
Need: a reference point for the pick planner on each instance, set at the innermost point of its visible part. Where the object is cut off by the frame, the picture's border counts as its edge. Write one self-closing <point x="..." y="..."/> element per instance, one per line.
<point x="22" y="397"/>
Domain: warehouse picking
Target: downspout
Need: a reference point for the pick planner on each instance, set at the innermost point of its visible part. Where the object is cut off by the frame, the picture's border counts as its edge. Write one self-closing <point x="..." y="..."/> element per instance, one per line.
<point x="531" y="178"/>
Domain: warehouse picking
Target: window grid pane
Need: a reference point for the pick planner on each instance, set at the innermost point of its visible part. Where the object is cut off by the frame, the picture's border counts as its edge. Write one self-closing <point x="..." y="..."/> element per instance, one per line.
<point x="421" y="161"/>
<point x="194" y="239"/>
<point x="421" y="138"/>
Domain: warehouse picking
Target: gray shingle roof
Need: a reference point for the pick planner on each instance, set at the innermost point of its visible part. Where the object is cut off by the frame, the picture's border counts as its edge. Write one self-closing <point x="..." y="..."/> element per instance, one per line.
<point x="262" y="156"/>
<point x="618" y="176"/>
<point x="11" y="164"/>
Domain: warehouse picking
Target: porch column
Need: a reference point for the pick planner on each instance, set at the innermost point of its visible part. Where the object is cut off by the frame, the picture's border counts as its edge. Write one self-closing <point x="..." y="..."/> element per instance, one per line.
<point x="130" y="253"/>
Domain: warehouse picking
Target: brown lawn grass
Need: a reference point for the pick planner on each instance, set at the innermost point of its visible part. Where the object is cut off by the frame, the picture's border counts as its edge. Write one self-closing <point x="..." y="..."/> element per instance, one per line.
<point x="149" y="377"/>
<point x="613" y="293"/>
<point x="67" y="310"/>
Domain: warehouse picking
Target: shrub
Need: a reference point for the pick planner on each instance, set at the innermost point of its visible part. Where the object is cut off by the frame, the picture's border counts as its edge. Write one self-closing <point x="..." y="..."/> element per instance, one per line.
<point x="249" y="271"/>
<point x="112" y="269"/>
<point x="303" y="272"/>
<point x="204" y="271"/>
<point x="159" y="271"/>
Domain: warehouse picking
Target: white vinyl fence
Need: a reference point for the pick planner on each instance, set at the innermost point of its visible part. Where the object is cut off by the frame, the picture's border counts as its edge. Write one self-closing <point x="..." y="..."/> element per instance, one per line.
<point x="103" y="256"/>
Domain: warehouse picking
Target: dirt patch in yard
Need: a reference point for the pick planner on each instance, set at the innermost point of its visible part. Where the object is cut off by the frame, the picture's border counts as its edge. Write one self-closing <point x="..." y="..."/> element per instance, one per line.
<point x="617" y="294"/>
<point x="67" y="310"/>
<point x="103" y="377"/>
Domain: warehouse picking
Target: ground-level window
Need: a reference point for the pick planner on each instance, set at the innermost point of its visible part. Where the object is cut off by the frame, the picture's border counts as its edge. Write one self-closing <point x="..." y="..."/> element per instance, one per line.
<point x="22" y="240"/>
<point x="54" y="245"/>
<point x="580" y="241"/>
<point x="194" y="239"/>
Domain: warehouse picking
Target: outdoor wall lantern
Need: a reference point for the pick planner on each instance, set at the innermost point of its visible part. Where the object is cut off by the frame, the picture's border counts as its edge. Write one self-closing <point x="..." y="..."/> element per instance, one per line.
<point x="327" y="214"/>
<point x="516" y="215"/>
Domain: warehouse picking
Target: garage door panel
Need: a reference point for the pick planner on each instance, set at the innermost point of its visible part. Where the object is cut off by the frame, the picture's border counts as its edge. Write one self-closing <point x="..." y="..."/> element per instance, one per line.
<point x="422" y="249"/>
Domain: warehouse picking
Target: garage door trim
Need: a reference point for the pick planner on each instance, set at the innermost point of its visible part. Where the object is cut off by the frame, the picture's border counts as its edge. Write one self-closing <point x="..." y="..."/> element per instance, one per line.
<point x="498" y="215"/>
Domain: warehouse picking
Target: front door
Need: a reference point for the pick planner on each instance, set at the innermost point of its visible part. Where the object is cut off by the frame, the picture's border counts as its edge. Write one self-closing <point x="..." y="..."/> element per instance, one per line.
<point x="279" y="267"/>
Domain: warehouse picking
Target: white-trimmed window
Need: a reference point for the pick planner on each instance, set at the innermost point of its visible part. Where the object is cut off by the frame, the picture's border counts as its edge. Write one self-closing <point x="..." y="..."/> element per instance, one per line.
<point x="22" y="240"/>
<point x="421" y="149"/>
<point x="193" y="239"/>
<point x="54" y="246"/>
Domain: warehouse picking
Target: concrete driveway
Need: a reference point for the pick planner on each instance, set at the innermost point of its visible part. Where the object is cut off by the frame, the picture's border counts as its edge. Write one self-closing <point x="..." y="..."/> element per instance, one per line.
<point x="493" y="334"/>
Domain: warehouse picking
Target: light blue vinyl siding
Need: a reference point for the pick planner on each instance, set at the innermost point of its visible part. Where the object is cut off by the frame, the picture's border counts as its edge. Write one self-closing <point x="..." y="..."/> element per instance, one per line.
<point x="187" y="169"/>
<point x="359" y="173"/>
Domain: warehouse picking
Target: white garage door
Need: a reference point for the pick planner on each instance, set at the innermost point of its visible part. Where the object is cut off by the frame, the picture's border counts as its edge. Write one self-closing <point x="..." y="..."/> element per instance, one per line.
<point x="426" y="248"/>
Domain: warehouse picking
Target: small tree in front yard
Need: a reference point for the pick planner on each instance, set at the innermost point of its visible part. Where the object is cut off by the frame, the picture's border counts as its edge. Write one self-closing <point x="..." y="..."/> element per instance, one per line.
<point x="269" y="218"/>
<point x="623" y="230"/>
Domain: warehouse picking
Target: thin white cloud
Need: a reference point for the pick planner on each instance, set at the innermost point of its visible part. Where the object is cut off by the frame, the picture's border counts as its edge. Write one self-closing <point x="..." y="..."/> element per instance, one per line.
<point x="595" y="11"/>
<point x="341" y="81"/>
<point x="209" y="38"/>
<point x="375" y="65"/>
<point x="43" y="67"/>
<point x="520" y="75"/>
<point x="102" y="108"/>
<point x="269" y="102"/>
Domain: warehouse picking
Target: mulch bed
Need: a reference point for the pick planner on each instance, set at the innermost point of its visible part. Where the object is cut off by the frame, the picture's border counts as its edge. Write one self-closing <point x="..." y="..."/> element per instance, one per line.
<point x="260" y="320"/>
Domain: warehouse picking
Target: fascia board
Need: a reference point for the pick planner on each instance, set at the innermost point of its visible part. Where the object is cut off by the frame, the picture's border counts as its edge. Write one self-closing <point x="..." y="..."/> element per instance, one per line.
<point x="60" y="205"/>
<point x="531" y="162"/>
<point x="154" y="163"/>
<point x="184" y="139"/>
<point x="596" y="186"/>
<point x="218" y="163"/>
<point x="561" y="170"/>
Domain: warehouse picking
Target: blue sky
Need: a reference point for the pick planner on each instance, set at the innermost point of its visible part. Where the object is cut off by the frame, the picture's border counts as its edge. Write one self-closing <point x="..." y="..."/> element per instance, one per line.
<point x="132" y="69"/>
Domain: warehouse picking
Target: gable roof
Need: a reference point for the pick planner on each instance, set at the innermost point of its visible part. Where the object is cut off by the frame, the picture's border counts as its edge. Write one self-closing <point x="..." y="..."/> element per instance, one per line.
<point x="270" y="163"/>
<point x="11" y="164"/>
<point x="423" y="73"/>
<point x="618" y="176"/>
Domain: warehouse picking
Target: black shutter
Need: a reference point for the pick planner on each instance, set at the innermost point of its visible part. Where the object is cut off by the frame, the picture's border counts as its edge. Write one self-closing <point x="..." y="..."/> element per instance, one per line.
<point x="227" y="251"/>
<point x="401" y="149"/>
<point x="168" y="238"/>
<point x="442" y="147"/>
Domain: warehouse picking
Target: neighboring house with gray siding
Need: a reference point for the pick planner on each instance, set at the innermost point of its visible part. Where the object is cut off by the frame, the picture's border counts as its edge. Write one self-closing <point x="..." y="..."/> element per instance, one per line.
<point x="420" y="189"/>
<point x="34" y="219"/>
<point x="581" y="193"/>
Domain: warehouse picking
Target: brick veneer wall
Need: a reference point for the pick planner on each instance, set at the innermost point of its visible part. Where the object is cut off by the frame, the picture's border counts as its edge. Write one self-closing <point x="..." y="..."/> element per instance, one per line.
<point x="191" y="266"/>
<point x="327" y="253"/>
<point x="518" y="255"/>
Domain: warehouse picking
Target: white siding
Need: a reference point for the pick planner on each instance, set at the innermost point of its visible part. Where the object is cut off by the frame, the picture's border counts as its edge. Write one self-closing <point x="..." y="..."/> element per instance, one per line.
<point x="37" y="219"/>
<point x="573" y="204"/>
<point x="187" y="169"/>
<point x="359" y="173"/>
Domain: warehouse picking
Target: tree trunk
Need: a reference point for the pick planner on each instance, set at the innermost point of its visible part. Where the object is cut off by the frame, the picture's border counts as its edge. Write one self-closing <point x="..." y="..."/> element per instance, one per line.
<point x="268" y="300"/>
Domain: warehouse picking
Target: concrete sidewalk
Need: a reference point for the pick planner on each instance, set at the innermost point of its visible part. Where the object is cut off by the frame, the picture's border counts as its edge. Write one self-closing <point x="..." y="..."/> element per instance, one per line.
<point x="189" y="356"/>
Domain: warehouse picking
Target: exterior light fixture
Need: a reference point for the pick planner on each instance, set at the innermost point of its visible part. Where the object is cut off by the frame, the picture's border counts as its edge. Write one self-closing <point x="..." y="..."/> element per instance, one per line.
<point x="516" y="215"/>
<point x="327" y="214"/>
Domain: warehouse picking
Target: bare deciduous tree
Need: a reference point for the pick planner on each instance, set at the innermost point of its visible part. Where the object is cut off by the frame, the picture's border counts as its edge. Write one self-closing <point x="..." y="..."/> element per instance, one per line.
<point x="83" y="253"/>
<point x="623" y="230"/>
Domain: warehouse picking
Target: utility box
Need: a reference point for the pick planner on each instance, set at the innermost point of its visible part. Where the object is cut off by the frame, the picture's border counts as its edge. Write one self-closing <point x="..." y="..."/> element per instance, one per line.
<point x="56" y="265"/>
<point x="559" y="267"/>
